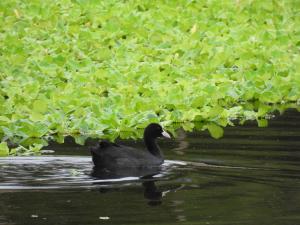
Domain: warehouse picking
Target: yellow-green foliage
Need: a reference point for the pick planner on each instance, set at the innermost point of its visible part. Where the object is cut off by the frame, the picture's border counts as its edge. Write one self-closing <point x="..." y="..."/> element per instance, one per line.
<point x="71" y="67"/>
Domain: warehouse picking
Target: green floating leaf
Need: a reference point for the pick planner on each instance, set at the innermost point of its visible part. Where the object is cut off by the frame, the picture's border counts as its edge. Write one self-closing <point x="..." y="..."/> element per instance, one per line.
<point x="188" y="126"/>
<point x="215" y="130"/>
<point x="4" y="119"/>
<point x="80" y="139"/>
<point x="59" y="138"/>
<point x="262" y="122"/>
<point x="4" y="150"/>
<point x="35" y="117"/>
<point x="40" y="106"/>
<point x="36" y="147"/>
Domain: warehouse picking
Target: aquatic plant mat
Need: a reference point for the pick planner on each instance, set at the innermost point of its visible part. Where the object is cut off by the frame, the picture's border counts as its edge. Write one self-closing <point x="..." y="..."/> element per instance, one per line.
<point x="108" y="68"/>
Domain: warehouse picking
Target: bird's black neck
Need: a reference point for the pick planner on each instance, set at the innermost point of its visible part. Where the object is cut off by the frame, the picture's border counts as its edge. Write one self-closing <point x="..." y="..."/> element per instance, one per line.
<point x="153" y="147"/>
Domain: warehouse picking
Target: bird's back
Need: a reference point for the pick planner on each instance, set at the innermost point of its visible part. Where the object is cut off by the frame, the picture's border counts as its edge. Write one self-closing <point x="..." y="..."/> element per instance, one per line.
<point x="112" y="156"/>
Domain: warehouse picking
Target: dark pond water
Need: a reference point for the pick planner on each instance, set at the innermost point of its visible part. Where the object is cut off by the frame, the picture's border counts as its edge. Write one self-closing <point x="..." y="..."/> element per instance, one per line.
<point x="251" y="176"/>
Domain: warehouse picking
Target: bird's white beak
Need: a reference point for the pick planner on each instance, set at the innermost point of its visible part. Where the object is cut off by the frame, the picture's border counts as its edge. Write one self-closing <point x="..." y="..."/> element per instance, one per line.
<point x="165" y="134"/>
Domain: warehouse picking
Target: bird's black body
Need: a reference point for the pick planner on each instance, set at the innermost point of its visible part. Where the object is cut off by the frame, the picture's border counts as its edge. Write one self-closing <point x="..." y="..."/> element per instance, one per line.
<point x="125" y="160"/>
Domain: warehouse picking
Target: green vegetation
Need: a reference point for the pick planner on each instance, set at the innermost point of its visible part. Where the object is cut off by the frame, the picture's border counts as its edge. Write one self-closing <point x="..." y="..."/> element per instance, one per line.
<point x="91" y="68"/>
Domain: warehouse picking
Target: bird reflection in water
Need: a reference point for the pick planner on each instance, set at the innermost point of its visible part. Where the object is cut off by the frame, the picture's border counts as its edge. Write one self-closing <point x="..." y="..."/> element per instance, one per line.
<point x="153" y="194"/>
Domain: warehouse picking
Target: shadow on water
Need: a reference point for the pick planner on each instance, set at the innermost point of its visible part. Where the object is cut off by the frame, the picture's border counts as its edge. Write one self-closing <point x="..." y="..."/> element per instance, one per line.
<point x="251" y="176"/>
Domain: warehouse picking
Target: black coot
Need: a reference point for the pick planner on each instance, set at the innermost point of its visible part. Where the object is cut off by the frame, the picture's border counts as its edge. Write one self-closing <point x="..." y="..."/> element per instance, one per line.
<point x="119" y="158"/>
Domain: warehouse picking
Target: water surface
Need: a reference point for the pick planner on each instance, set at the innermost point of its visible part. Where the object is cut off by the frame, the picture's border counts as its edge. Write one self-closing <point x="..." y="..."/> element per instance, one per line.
<point x="251" y="176"/>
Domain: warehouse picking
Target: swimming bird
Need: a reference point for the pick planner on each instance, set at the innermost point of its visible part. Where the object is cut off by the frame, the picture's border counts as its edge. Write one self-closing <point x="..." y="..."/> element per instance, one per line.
<point x="126" y="160"/>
